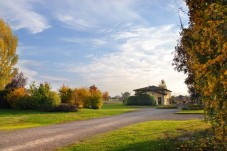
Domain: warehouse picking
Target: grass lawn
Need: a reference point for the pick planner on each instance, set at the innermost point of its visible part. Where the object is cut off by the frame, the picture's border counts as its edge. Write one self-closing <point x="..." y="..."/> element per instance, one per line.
<point x="16" y="119"/>
<point x="147" y="136"/>
<point x="190" y="112"/>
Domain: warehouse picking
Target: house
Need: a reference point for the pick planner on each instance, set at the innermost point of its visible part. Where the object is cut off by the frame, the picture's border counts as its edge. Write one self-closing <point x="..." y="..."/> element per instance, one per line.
<point x="161" y="95"/>
<point x="180" y="99"/>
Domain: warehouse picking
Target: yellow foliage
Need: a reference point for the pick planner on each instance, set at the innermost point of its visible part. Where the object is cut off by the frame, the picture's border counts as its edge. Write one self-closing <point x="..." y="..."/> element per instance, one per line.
<point x="8" y="56"/>
<point x="15" y="95"/>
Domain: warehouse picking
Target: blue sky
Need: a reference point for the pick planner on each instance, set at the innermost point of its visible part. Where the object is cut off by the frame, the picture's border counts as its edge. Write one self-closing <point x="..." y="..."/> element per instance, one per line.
<point x="118" y="45"/>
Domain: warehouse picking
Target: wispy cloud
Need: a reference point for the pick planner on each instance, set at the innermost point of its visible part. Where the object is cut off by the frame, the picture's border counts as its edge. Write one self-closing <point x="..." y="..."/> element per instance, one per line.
<point x="143" y="58"/>
<point x="84" y="41"/>
<point x="90" y="15"/>
<point x="20" y="14"/>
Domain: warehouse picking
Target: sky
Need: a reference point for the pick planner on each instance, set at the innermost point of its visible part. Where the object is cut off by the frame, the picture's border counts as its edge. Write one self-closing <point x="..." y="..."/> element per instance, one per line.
<point x="118" y="45"/>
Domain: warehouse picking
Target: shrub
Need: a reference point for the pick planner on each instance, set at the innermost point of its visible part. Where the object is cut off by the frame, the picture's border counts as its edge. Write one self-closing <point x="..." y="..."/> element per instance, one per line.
<point x="95" y="98"/>
<point x="44" y="98"/>
<point x="49" y="101"/>
<point x="65" y="94"/>
<point x="167" y="107"/>
<point x="3" y="101"/>
<point x="63" y="107"/>
<point x="15" y="96"/>
<point x="80" y="98"/>
<point x="142" y="99"/>
<point x="193" y="107"/>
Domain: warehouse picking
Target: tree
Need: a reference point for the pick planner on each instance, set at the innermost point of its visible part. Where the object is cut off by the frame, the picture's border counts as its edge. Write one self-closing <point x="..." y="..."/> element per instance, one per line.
<point x="124" y="95"/>
<point x="162" y="84"/>
<point x="202" y="53"/>
<point x="18" y="81"/>
<point x="105" y="96"/>
<point x="8" y="56"/>
<point x="95" y="97"/>
<point x="65" y="94"/>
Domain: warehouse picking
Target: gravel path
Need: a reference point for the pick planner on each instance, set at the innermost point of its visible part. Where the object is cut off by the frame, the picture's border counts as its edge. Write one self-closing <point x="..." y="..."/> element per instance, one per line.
<point x="56" y="136"/>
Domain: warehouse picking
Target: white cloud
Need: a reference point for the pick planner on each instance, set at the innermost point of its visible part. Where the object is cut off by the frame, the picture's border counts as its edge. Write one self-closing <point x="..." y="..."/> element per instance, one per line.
<point x="25" y="67"/>
<point x="84" y="41"/>
<point x="143" y="58"/>
<point x="20" y="14"/>
<point x="90" y="15"/>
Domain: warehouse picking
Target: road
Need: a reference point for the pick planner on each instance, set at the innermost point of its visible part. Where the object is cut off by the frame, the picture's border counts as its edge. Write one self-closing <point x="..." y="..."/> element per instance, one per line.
<point x="59" y="135"/>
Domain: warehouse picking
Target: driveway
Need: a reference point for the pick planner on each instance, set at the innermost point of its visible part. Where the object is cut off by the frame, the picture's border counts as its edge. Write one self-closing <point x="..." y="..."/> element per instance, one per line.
<point x="59" y="135"/>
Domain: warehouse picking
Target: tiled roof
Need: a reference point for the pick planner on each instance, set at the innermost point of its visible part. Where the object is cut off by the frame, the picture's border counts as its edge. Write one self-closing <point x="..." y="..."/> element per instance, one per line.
<point x="154" y="89"/>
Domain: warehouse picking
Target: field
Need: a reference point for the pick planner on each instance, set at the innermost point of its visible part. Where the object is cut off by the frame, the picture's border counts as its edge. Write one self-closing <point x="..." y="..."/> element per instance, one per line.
<point x="16" y="119"/>
<point x="147" y="136"/>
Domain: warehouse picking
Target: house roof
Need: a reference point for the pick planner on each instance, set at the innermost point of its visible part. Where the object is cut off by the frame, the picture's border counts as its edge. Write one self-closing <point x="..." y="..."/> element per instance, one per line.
<point x="154" y="89"/>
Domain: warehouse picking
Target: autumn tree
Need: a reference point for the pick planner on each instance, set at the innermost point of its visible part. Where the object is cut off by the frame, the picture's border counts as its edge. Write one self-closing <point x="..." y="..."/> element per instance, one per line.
<point x="202" y="53"/>
<point x="80" y="97"/>
<point x="18" y="81"/>
<point x="95" y="97"/>
<point x="105" y="96"/>
<point x="65" y="94"/>
<point x="162" y="84"/>
<point x="8" y="56"/>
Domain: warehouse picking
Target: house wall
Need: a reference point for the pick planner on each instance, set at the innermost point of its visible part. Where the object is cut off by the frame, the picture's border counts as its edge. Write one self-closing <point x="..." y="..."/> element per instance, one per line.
<point x="164" y="98"/>
<point x="156" y="96"/>
<point x="167" y="98"/>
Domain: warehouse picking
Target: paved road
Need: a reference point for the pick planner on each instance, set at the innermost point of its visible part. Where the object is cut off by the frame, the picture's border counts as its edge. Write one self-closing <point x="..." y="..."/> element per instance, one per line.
<point x="56" y="136"/>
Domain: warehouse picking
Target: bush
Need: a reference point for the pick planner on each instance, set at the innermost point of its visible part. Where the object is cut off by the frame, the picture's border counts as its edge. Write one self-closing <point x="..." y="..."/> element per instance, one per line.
<point x="49" y="101"/>
<point x="167" y="107"/>
<point x="65" y="94"/>
<point x="142" y="99"/>
<point x="96" y="99"/>
<point x="66" y="108"/>
<point x="45" y="99"/>
<point x="3" y="101"/>
<point x="80" y="98"/>
<point x="15" y="96"/>
<point x="193" y="107"/>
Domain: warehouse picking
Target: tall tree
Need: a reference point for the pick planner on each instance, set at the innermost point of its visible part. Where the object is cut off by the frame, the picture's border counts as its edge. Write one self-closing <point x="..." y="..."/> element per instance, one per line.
<point x="202" y="53"/>
<point x="8" y="56"/>
<point x="162" y="84"/>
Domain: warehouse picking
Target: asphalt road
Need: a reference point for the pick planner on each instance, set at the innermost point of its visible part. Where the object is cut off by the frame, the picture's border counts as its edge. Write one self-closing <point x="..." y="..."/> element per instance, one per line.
<point x="56" y="136"/>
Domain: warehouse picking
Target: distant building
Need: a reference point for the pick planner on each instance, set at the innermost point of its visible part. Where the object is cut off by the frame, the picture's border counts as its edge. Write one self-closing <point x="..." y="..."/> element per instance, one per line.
<point x="161" y="95"/>
<point x="181" y="99"/>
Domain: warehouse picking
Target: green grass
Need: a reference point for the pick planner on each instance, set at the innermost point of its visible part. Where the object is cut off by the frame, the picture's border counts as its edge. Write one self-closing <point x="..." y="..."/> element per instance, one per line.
<point x="16" y="119"/>
<point x="166" y="107"/>
<point x="190" y="112"/>
<point x="147" y="136"/>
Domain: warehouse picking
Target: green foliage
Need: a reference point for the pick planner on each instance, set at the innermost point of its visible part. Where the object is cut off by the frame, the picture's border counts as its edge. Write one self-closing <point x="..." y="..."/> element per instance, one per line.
<point x="63" y="107"/>
<point x="201" y="53"/>
<point x="95" y="99"/>
<point x="193" y="107"/>
<point x="3" y="101"/>
<point x="45" y="99"/>
<point x="142" y="99"/>
<point x="8" y="56"/>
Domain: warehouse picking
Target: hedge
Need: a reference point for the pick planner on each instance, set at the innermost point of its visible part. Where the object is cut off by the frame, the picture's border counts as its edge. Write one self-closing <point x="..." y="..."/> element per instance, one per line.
<point x="142" y="99"/>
